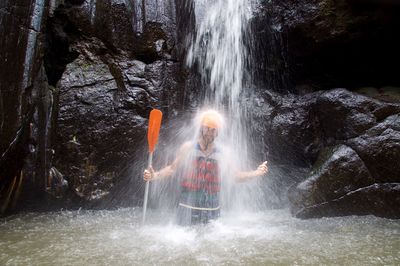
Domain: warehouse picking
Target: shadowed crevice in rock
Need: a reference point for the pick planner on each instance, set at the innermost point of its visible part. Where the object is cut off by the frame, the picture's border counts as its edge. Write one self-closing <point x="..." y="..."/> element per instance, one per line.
<point x="60" y="34"/>
<point x="328" y="44"/>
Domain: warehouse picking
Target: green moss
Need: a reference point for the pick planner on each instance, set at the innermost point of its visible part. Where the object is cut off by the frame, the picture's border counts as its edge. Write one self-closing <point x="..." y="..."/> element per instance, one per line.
<point x="323" y="156"/>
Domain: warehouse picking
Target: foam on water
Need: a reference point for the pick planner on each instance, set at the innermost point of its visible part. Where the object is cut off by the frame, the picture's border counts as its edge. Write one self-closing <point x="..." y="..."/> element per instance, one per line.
<point x="265" y="238"/>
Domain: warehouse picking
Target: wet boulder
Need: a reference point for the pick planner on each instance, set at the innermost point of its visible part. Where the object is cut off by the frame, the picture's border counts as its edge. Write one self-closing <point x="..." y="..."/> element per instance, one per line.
<point x="98" y="123"/>
<point x="379" y="148"/>
<point x="344" y="114"/>
<point x="381" y="200"/>
<point x="289" y="127"/>
<point x="338" y="171"/>
<point x="104" y="102"/>
<point x="111" y="62"/>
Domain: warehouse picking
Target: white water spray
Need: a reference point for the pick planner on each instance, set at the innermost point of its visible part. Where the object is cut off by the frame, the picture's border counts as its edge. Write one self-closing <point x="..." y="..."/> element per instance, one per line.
<point x="218" y="51"/>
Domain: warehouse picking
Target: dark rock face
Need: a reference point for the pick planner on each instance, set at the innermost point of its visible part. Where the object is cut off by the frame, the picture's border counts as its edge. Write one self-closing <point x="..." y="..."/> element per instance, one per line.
<point x="299" y="127"/>
<point x="124" y="68"/>
<point x="145" y="28"/>
<point x="345" y="115"/>
<point x="25" y="104"/>
<point x="338" y="171"/>
<point x="379" y="148"/>
<point x="104" y="102"/>
<point x="354" y="137"/>
<point x="17" y="57"/>
<point x="342" y="175"/>
<point x="328" y="43"/>
<point x="293" y="129"/>
<point x="108" y="62"/>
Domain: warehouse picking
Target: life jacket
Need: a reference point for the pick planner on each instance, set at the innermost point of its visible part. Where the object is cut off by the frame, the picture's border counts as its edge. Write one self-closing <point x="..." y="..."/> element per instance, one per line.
<point x="201" y="184"/>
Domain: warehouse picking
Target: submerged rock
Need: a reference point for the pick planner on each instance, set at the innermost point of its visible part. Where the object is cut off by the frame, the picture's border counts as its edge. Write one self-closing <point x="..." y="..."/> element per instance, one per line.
<point x="378" y="199"/>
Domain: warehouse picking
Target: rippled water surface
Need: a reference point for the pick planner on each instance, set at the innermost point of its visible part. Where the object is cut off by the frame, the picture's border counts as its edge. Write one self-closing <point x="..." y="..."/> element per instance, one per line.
<point x="266" y="238"/>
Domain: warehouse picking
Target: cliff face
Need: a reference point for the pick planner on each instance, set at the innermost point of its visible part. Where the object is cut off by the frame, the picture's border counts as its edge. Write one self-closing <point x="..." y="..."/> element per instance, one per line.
<point x="79" y="77"/>
<point x="322" y="44"/>
<point x="126" y="64"/>
<point x="25" y="100"/>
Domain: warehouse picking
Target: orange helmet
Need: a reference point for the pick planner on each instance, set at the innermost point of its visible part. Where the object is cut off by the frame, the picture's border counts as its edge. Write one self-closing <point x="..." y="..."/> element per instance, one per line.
<point x="211" y="119"/>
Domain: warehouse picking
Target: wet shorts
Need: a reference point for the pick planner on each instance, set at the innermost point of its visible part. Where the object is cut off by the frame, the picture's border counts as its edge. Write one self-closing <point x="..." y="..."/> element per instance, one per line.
<point x="187" y="216"/>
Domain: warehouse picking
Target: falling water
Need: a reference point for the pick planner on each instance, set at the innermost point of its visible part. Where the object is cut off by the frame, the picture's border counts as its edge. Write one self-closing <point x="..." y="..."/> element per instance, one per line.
<point x="218" y="50"/>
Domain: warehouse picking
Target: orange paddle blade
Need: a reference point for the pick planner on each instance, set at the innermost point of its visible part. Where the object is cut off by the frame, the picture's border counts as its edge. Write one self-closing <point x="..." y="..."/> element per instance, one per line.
<point x="154" y="128"/>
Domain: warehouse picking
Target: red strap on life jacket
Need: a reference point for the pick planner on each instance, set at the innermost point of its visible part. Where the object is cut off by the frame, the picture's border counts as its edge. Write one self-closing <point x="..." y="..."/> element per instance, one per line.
<point x="204" y="175"/>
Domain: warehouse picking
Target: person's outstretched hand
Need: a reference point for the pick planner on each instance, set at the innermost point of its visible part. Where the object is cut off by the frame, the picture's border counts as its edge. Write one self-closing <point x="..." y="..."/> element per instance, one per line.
<point x="148" y="174"/>
<point x="262" y="169"/>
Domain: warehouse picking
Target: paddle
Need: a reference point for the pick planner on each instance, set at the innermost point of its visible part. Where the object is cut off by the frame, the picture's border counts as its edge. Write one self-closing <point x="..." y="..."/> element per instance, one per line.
<point x="152" y="138"/>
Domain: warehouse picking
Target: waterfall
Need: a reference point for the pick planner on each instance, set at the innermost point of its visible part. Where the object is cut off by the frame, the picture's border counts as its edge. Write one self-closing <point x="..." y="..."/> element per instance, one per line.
<point x="219" y="53"/>
<point x="219" y="50"/>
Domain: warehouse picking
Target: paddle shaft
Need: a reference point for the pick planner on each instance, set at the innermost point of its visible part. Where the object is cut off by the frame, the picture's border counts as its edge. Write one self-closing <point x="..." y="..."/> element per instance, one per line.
<point x="146" y="189"/>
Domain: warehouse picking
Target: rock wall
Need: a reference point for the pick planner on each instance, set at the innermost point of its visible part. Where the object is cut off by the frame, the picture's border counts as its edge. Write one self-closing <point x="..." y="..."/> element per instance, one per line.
<point x="317" y="139"/>
<point x="323" y="44"/>
<point x="127" y="62"/>
<point x="74" y="102"/>
<point x="25" y="103"/>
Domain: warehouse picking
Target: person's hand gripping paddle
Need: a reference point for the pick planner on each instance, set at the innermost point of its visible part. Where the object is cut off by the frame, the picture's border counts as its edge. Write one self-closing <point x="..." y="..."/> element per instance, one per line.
<point x="152" y="138"/>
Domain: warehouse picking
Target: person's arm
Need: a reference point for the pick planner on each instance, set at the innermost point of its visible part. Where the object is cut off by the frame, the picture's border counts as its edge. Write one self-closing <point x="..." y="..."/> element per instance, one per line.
<point x="262" y="169"/>
<point x="151" y="175"/>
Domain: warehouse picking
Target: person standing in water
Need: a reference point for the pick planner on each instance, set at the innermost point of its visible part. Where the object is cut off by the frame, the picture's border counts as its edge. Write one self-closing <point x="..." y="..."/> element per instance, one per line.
<point x="200" y="182"/>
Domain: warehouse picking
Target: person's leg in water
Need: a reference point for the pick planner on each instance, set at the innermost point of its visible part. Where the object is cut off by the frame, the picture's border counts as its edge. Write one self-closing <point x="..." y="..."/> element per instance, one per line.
<point x="186" y="216"/>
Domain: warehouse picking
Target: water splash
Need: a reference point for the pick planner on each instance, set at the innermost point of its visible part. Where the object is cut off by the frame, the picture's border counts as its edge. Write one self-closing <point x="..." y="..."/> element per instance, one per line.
<point x="268" y="238"/>
<point x="218" y="52"/>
